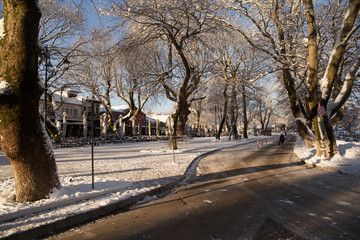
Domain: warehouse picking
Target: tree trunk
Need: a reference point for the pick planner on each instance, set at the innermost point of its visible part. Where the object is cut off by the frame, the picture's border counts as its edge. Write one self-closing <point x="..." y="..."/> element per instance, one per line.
<point x="303" y="129"/>
<point x="233" y="114"/>
<point x="244" y="109"/>
<point x="179" y="118"/>
<point x="52" y="130"/>
<point x="327" y="146"/>
<point x="172" y="126"/>
<point x="110" y="121"/>
<point x="23" y="136"/>
<point x="222" y="122"/>
<point x="197" y="121"/>
<point x="182" y="117"/>
<point x="305" y="133"/>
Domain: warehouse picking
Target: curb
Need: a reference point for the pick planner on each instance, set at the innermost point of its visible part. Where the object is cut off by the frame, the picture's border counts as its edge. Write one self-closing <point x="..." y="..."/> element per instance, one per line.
<point x="326" y="169"/>
<point x="313" y="165"/>
<point x="85" y="217"/>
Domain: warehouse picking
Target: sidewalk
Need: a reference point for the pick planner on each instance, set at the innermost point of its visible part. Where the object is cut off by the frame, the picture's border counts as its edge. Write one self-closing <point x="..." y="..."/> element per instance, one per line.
<point x="129" y="173"/>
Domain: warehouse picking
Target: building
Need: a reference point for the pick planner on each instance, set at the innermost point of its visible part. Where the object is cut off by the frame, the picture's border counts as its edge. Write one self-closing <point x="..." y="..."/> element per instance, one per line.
<point x="66" y="110"/>
<point x="72" y="116"/>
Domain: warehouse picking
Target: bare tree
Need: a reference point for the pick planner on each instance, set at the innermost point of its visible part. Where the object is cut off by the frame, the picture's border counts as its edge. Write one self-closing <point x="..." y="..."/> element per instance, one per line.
<point x="351" y="117"/>
<point x="179" y="26"/>
<point x="107" y="68"/>
<point x="239" y="66"/>
<point x="97" y="70"/>
<point x="224" y="55"/>
<point x="137" y="83"/>
<point x="264" y="106"/>
<point x="310" y="68"/>
<point x="61" y="25"/>
<point x="198" y="107"/>
<point x="60" y="22"/>
<point x="23" y="136"/>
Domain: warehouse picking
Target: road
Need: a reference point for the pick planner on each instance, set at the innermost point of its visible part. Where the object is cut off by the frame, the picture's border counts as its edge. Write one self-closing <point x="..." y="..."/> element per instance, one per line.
<point x="243" y="193"/>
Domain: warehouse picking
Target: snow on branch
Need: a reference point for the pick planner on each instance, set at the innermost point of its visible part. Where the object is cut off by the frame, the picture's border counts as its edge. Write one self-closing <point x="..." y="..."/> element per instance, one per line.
<point x="4" y="88"/>
<point x="345" y="92"/>
<point x="346" y="31"/>
<point x="263" y="75"/>
<point x="2" y="32"/>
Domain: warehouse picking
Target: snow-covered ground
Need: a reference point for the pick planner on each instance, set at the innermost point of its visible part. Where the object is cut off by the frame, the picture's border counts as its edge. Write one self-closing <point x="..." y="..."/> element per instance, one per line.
<point x="122" y="171"/>
<point x="347" y="161"/>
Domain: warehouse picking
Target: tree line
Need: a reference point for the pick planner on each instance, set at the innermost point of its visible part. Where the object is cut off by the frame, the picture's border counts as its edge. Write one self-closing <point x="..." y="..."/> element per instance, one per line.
<point x="234" y="54"/>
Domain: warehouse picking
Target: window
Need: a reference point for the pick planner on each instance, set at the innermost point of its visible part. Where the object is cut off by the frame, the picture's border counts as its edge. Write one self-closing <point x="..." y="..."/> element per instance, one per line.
<point x="69" y="111"/>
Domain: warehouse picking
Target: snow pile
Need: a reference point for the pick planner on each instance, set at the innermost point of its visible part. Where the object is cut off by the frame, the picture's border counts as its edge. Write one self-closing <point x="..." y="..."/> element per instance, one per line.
<point x="347" y="161"/>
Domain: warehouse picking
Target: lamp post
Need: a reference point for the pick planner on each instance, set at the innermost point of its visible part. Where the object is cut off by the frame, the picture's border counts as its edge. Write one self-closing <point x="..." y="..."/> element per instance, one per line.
<point x="47" y="63"/>
<point x="92" y="142"/>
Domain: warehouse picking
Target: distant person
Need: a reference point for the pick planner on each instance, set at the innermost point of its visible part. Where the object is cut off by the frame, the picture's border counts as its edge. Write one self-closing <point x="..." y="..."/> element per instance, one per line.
<point x="282" y="139"/>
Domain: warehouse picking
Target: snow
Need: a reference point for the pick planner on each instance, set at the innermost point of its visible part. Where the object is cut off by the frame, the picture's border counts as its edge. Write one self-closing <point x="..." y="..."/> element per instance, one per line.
<point x="122" y="171"/>
<point x="61" y="97"/>
<point x="4" y="88"/>
<point x="159" y="116"/>
<point x="347" y="161"/>
<point x="2" y="32"/>
<point x="120" y="108"/>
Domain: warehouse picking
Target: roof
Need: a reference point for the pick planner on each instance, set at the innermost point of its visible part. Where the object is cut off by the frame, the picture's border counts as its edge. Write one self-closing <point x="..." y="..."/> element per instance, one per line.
<point x="64" y="99"/>
<point x="120" y="108"/>
<point x="158" y="116"/>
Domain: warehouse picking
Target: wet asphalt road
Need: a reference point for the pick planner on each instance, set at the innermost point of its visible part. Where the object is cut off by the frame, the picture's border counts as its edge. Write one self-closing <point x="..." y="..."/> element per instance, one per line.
<point x="243" y="193"/>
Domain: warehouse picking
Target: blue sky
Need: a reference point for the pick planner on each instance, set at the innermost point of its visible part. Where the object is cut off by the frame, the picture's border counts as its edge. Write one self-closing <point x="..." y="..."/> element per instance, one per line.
<point x="93" y="20"/>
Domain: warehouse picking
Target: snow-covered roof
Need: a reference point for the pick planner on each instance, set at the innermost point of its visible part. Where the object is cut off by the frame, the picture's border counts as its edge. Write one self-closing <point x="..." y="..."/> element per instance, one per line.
<point x="120" y="108"/>
<point x="62" y="98"/>
<point x="158" y="116"/>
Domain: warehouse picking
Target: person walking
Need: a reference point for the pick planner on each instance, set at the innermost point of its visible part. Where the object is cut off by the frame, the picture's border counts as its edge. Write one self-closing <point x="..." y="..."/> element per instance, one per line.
<point x="282" y="139"/>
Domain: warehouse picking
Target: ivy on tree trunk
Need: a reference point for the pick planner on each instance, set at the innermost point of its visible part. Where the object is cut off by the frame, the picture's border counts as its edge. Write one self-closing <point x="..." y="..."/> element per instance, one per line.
<point x="23" y="136"/>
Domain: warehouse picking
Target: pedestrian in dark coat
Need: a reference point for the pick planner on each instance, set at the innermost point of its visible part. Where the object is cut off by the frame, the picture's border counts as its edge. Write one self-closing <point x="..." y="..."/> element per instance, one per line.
<point x="282" y="139"/>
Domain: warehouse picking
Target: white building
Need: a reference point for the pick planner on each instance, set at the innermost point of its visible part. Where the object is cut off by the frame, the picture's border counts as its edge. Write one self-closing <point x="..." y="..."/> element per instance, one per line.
<point x="67" y="107"/>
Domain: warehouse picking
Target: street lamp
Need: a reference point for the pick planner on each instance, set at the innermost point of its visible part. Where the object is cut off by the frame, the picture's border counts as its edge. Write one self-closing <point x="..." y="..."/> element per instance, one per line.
<point x="66" y="63"/>
<point x="92" y="141"/>
<point x="47" y="63"/>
